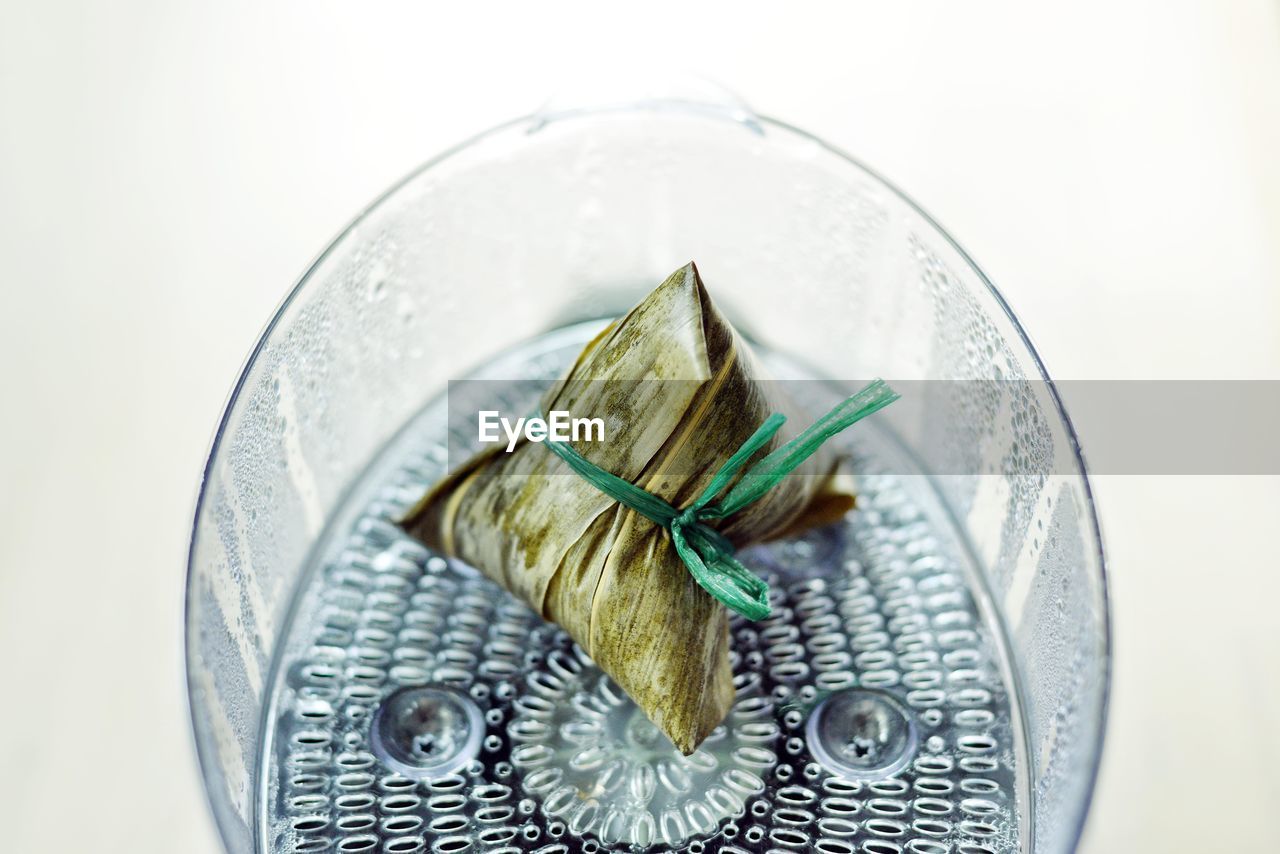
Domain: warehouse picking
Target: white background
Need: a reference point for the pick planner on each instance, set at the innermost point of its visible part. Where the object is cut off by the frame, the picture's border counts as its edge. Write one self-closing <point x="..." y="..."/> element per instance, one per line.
<point x="167" y="169"/>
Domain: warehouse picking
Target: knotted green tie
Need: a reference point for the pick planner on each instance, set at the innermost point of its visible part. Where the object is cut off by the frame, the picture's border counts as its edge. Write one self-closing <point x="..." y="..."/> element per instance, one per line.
<point x="706" y="553"/>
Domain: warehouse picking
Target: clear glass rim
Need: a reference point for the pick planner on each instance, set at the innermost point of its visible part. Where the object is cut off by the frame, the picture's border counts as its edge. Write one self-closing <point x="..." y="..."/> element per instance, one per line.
<point x="755" y="123"/>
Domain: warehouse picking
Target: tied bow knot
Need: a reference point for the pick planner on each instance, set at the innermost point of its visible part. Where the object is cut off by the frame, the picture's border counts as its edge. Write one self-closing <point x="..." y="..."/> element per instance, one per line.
<point x="706" y="553"/>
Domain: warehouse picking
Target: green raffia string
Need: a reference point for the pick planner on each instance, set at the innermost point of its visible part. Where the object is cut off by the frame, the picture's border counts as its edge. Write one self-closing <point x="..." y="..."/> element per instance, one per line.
<point x="705" y="551"/>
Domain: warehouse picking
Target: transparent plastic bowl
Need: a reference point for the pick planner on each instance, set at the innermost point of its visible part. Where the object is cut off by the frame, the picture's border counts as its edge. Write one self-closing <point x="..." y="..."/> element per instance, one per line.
<point x="572" y="214"/>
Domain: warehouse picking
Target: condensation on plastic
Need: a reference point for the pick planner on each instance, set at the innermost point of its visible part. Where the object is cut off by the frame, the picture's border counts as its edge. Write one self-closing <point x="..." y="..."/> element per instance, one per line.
<point x="567" y="216"/>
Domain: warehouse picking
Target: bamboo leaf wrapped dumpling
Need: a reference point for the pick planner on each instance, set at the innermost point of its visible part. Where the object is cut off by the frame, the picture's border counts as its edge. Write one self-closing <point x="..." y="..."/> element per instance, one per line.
<point x="680" y="392"/>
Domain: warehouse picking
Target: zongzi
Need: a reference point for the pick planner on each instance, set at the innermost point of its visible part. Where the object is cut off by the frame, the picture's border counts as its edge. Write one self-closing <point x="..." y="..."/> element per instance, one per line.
<point x="681" y="393"/>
